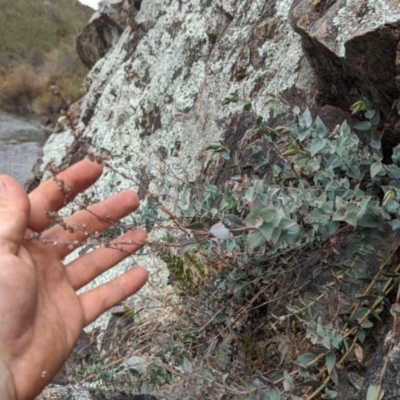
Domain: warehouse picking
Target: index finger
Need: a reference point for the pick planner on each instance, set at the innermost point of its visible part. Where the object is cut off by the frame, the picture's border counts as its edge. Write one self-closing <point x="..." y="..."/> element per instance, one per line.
<point x="51" y="197"/>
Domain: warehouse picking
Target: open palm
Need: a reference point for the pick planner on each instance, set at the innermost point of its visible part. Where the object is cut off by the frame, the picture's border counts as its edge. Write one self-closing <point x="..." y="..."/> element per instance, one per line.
<point x="41" y="316"/>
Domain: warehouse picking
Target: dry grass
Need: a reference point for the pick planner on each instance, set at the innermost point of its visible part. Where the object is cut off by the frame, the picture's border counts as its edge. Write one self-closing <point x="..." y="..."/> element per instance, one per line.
<point x="46" y="103"/>
<point x="19" y="88"/>
<point x="25" y="88"/>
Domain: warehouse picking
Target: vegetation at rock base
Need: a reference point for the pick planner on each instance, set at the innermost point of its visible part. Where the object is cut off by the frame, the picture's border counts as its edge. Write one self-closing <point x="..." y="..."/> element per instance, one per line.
<point x="252" y="326"/>
<point x="37" y="50"/>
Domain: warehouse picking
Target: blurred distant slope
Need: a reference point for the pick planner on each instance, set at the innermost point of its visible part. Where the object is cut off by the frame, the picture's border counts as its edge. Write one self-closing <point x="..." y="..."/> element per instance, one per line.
<point x="29" y="29"/>
<point x="38" y="50"/>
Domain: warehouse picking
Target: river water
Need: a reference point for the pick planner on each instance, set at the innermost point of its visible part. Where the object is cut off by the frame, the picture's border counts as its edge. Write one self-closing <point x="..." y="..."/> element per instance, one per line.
<point x="20" y="142"/>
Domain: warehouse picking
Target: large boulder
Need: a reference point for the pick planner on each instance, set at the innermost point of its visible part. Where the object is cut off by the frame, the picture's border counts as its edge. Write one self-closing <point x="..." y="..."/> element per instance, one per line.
<point x="154" y="99"/>
<point x="104" y="29"/>
<point x="353" y="47"/>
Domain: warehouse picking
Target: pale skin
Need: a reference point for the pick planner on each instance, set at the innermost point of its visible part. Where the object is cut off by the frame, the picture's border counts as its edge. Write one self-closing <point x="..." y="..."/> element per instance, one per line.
<point x="41" y="315"/>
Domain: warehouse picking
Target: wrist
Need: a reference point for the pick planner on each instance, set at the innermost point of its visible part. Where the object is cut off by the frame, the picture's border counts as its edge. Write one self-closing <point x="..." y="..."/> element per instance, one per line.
<point x="7" y="391"/>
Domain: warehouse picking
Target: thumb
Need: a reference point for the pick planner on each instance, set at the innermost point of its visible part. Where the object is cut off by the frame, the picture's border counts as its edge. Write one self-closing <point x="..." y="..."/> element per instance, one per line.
<point x="14" y="212"/>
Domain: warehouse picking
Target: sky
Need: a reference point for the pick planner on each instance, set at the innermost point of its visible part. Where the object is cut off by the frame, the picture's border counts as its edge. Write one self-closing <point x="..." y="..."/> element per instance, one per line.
<point x="90" y="3"/>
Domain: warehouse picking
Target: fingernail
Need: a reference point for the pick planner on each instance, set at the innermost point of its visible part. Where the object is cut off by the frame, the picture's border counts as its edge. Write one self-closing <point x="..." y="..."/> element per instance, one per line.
<point x="2" y="186"/>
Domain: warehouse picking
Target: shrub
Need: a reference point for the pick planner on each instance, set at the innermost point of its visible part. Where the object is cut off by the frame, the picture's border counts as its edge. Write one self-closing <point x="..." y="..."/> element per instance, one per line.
<point x="264" y="224"/>
<point x="63" y="60"/>
<point x="20" y="86"/>
<point x="243" y="240"/>
<point x="46" y="103"/>
<point x="27" y="89"/>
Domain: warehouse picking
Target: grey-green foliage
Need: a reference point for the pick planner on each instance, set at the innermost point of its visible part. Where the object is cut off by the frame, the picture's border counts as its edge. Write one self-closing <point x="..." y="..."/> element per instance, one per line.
<point x="316" y="181"/>
<point x="319" y="181"/>
<point x="323" y="179"/>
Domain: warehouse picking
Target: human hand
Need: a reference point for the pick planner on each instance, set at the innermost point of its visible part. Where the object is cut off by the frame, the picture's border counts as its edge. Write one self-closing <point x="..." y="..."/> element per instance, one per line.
<point x="41" y="316"/>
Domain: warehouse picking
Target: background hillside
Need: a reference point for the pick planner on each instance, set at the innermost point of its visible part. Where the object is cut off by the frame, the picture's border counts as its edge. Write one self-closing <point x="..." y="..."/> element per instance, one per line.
<point x="37" y="49"/>
<point x="31" y="29"/>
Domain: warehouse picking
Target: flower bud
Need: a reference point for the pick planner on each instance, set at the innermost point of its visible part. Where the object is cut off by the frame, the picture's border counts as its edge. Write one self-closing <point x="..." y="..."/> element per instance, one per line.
<point x="390" y="195"/>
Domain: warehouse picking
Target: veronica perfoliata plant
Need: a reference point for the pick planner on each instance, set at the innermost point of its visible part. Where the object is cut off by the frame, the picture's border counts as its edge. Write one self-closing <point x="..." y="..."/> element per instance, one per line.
<point x="323" y="179"/>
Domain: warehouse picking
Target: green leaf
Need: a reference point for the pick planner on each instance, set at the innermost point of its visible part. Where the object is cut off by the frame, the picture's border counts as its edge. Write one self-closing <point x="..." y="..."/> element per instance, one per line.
<point x="376" y="167"/>
<point x="370" y="114"/>
<point x="303" y="133"/>
<point x="367" y="221"/>
<point x="277" y="376"/>
<point x="396" y="154"/>
<point x="376" y="119"/>
<point x="232" y="221"/>
<point x="220" y="317"/>
<point x="330" y="361"/>
<point x="363" y="126"/>
<point x="361" y="335"/>
<point x="375" y="392"/>
<point x="331" y="394"/>
<point x="349" y="321"/>
<point x="256" y="152"/>
<point x="209" y="376"/>
<point x="367" y="297"/>
<point x="234" y="97"/>
<point x="334" y="162"/>
<point x="317" y="144"/>
<point x="376" y="144"/>
<point x="272" y="215"/>
<point x="289" y="226"/>
<point x="274" y="393"/>
<point x="326" y="342"/>
<point x="304" y="373"/>
<point x="345" y="129"/>
<point x="267" y="230"/>
<point x="277" y="170"/>
<point x="247" y="107"/>
<point x="218" y="147"/>
<point x="261" y="164"/>
<point x="306" y="119"/>
<point x="391" y="274"/>
<point x="187" y="365"/>
<point x="197" y="226"/>
<point x="255" y="239"/>
<point x="276" y="235"/>
<point x="394" y="172"/>
<point x="363" y="281"/>
<point x="321" y="128"/>
<point x="358" y="106"/>
<point x="288" y="383"/>
<point x="306" y="360"/>
<point x="313" y="165"/>
<point x="395" y="224"/>
<point x="199" y="383"/>
<point x="334" y="377"/>
<point x="361" y="313"/>
<point x="224" y="204"/>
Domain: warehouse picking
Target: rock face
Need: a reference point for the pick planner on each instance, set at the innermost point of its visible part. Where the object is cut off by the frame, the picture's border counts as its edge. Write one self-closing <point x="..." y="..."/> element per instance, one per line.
<point x="104" y="29"/>
<point x="155" y="89"/>
<point x="353" y="48"/>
